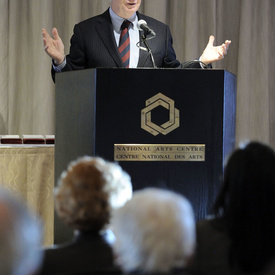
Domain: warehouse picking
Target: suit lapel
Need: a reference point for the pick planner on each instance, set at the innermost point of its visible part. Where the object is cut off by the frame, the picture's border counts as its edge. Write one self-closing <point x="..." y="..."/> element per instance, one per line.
<point x="105" y="31"/>
<point x="143" y="55"/>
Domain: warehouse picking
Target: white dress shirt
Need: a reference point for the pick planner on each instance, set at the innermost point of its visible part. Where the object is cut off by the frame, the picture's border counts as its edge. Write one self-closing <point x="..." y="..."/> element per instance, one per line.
<point x="133" y="33"/>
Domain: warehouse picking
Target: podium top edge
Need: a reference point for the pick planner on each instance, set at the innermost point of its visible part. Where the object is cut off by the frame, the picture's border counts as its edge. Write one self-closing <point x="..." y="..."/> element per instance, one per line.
<point x="147" y="68"/>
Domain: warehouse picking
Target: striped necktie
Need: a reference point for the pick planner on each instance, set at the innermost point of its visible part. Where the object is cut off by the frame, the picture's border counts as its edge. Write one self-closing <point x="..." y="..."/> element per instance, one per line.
<point x="124" y="44"/>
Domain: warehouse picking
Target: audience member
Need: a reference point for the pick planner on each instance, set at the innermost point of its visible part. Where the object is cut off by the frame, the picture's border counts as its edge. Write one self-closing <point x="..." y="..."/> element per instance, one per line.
<point x="155" y="233"/>
<point x="86" y="195"/>
<point x="20" y="237"/>
<point x="240" y="238"/>
<point x="270" y="270"/>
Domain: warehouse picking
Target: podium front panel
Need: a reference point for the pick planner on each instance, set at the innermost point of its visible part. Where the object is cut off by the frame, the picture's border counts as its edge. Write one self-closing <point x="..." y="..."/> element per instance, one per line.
<point x="111" y="103"/>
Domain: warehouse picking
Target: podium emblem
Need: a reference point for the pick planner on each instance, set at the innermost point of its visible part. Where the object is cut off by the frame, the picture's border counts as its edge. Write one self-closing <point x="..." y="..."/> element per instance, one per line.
<point x="146" y="115"/>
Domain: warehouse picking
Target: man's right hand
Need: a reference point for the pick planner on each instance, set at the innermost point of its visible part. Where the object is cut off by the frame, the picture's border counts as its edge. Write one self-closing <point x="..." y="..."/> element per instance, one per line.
<point x="54" y="47"/>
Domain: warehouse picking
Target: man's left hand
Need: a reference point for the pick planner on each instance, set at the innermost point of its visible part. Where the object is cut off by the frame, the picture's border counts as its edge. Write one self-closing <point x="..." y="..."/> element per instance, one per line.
<point x="214" y="53"/>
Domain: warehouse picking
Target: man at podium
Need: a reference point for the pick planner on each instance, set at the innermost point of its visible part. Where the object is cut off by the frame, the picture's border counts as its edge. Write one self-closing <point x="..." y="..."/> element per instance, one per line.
<point x="143" y="42"/>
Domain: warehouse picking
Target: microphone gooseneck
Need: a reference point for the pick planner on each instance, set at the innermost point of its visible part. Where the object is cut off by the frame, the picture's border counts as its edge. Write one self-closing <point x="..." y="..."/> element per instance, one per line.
<point x="142" y="26"/>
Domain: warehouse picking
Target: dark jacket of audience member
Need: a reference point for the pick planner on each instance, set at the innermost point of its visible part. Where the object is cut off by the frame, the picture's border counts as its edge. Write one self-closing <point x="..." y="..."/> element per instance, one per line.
<point x="240" y="238"/>
<point x="87" y="194"/>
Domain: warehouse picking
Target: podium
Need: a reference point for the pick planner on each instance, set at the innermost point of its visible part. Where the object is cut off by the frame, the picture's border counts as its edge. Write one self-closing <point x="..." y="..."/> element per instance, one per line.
<point x="120" y="114"/>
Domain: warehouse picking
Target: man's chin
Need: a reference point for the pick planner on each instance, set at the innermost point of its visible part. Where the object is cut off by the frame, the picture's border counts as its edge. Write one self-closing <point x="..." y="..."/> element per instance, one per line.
<point x="132" y="7"/>
<point x="129" y="12"/>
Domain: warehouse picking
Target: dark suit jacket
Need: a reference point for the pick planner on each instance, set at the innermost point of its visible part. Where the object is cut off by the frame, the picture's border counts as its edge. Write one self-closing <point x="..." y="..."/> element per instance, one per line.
<point x="86" y="253"/>
<point x="93" y="45"/>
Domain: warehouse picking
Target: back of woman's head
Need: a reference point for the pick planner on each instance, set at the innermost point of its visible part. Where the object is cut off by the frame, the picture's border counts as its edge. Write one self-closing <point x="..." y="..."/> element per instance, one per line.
<point x="88" y="191"/>
<point x="155" y="232"/>
<point x="246" y="201"/>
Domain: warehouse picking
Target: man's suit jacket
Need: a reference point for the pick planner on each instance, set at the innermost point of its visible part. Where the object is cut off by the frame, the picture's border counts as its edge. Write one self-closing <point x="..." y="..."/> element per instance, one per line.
<point x="93" y="45"/>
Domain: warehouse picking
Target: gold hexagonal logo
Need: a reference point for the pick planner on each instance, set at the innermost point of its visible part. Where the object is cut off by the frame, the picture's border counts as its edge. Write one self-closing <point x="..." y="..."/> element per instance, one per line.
<point x="165" y="128"/>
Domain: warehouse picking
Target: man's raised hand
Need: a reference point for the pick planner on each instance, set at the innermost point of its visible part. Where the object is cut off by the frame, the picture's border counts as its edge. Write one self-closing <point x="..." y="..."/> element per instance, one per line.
<point x="54" y="47"/>
<point x="214" y="53"/>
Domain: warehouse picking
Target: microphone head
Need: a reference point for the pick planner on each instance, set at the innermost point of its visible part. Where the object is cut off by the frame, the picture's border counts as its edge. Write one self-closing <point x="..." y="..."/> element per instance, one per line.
<point x="141" y="22"/>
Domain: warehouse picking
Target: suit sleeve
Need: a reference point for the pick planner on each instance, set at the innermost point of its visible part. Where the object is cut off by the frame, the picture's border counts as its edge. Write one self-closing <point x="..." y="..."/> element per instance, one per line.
<point x="75" y="60"/>
<point x="170" y="60"/>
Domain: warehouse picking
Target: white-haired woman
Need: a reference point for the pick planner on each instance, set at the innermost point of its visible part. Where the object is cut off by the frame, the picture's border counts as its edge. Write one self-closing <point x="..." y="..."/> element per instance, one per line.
<point x="155" y="233"/>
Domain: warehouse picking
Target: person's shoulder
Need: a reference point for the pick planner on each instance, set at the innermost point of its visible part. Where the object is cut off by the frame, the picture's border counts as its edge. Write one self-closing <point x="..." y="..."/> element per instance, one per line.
<point x="150" y="20"/>
<point x="89" y="21"/>
<point x="212" y="223"/>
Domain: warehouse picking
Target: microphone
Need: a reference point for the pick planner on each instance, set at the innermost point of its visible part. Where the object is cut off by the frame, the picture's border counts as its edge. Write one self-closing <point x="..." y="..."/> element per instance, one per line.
<point x="142" y="26"/>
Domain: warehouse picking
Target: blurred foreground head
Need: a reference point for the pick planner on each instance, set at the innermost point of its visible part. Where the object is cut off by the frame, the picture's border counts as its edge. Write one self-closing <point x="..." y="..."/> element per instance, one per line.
<point x="20" y="237"/>
<point x="89" y="190"/>
<point x="155" y="231"/>
<point x="246" y="201"/>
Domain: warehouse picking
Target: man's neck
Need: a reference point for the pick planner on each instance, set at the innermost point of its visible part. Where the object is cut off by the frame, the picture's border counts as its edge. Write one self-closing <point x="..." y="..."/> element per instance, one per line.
<point x="128" y="17"/>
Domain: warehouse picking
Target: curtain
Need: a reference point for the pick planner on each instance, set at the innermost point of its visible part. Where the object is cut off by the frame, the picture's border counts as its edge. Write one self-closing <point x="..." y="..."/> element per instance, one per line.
<point x="27" y="104"/>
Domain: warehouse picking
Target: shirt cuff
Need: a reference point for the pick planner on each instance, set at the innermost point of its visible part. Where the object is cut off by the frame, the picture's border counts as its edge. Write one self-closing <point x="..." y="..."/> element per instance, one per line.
<point x="203" y="66"/>
<point x="60" y="66"/>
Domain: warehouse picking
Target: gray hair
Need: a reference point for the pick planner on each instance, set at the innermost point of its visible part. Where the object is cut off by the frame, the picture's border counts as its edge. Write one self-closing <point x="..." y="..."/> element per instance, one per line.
<point x="155" y="231"/>
<point x="20" y="237"/>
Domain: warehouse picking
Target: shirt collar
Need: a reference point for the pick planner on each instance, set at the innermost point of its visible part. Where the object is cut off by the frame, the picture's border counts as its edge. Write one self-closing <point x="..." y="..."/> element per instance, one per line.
<point x="117" y="20"/>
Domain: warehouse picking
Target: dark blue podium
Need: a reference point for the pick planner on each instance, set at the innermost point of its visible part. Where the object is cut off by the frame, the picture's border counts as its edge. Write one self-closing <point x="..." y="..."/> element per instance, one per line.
<point x="149" y="120"/>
